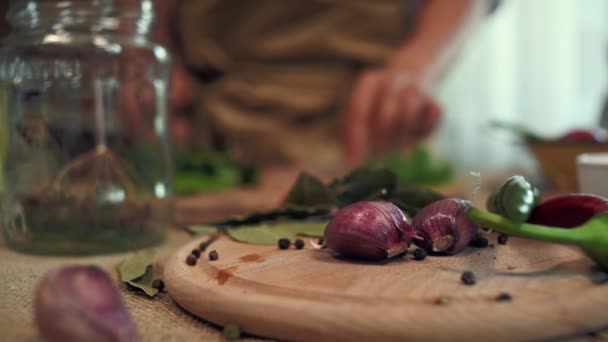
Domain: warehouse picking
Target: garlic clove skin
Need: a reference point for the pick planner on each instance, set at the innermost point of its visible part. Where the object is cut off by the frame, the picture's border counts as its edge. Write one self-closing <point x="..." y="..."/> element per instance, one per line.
<point x="80" y="303"/>
<point x="444" y="226"/>
<point x="370" y="230"/>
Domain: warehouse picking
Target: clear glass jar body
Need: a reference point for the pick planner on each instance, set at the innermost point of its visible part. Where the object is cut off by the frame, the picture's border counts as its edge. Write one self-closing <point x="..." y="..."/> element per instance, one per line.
<point x="86" y="162"/>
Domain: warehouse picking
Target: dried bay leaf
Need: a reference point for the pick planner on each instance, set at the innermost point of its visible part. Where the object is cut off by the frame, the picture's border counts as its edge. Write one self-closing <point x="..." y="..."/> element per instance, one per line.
<point x="269" y="234"/>
<point x="258" y="235"/>
<point x="145" y="282"/>
<point x="202" y="229"/>
<point x="135" y="265"/>
<point x="289" y="212"/>
<point x="309" y="191"/>
<point x="364" y="184"/>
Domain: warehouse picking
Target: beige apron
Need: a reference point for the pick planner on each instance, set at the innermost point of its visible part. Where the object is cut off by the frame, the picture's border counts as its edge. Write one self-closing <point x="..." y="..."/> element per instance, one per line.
<point x="287" y="68"/>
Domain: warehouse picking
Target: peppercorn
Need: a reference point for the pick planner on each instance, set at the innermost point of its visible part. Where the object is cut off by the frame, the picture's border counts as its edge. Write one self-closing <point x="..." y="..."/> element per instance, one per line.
<point x="196" y="252"/>
<point x="191" y="260"/>
<point x="321" y="241"/>
<point x="503" y="297"/>
<point x="213" y="255"/>
<point x="203" y="245"/>
<point x="158" y="284"/>
<point x="231" y="332"/>
<point x="299" y="244"/>
<point x="468" y="278"/>
<point x="284" y="243"/>
<point x="503" y="238"/>
<point x="419" y="254"/>
<point x="479" y="242"/>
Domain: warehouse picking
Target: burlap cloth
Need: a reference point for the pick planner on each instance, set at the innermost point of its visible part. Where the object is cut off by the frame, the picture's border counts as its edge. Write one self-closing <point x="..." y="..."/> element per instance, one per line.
<point x="158" y="319"/>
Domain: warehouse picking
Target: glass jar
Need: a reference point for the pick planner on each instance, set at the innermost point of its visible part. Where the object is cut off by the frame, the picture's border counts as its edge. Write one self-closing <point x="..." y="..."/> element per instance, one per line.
<point x="84" y="137"/>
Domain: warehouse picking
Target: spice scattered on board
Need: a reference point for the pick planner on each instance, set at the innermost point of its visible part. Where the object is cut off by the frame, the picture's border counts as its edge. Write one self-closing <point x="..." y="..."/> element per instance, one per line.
<point x="503" y="297"/>
<point x="196" y="252"/>
<point x="190" y="260"/>
<point x="299" y="244"/>
<point x="213" y="255"/>
<point x="468" y="278"/>
<point x="502" y="239"/>
<point x="479" y="242"/>
<point x="284" y="243"/>
<point x="419" y="254"/>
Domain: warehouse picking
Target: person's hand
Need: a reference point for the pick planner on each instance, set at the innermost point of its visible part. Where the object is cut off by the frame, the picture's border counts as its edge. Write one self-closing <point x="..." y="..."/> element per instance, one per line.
<point x="388" y="108"/>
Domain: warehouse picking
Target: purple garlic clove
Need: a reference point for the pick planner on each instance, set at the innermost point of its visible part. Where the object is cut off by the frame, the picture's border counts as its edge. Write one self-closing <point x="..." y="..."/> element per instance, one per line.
<point x="444" y="226"/>
<point x="80" y="303"/>
<point x="371" y="230"/>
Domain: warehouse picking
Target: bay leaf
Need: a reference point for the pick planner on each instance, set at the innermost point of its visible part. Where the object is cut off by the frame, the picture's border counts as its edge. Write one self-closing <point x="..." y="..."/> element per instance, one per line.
<point x="269" y="234"/>
<point x="309" y="191"/>
<point x="202" y="229"/>
<point x="289" y="212"/>
<point x="412" y="197"/>
<point x="136" y="265"/>
<point x="262" y="234"/>
<point x="144" y="283"/>
<point x="364" y="184"/>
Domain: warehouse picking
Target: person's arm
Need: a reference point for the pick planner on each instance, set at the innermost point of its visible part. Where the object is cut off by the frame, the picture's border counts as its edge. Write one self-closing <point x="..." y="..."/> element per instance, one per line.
<point x="389" y="106"/>
<point x="440" y="32"/>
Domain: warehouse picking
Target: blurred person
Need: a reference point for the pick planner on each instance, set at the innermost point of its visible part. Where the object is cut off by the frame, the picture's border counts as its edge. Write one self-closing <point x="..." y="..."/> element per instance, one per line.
<point x="322" y="84"/>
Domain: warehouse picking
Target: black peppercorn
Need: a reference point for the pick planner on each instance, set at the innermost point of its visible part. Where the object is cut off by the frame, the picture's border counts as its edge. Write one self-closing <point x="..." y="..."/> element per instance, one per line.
<point x="158" y="284"/>
<point x="196" y="252"/>
<point x="468" y="278"/>
<point x="213" y="255"/>
<point x="299" y="244"/>
<point x="503" y="297"/>
<point x="503" y="238"/>
<point x="479" y="242"/>
<point x="284" y="243"/>
<point x="191" y="260"/>
<point x="321" y="241"/>
<point x="419" y="254"/>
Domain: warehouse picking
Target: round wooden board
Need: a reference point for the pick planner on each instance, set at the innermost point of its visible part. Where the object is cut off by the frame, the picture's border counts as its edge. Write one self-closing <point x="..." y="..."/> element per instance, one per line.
<point x="312" y="295"/>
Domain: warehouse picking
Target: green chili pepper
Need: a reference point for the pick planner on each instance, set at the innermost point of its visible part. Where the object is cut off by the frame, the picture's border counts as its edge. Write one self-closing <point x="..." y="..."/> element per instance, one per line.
<point x="515" y="199"/>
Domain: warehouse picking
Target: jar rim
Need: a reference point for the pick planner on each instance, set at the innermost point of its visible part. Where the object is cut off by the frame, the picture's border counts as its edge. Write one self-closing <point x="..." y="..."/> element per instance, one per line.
<point x="29" y="13"/>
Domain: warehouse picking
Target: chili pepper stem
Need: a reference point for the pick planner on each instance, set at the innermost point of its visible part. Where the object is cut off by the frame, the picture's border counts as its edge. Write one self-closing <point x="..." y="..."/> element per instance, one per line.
<point x="532" y="231"/>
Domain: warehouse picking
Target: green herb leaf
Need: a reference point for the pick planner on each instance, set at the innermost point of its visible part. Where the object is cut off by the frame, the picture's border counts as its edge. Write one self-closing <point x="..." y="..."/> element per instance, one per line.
<point x="269" y="234"/>
<point x="411" y="198"/>
<point x="291" y="212"/>
<point x="136" y="265"/>
<point x="364" y="184"/>
<point x="145" y="282"/>
<point x="309" y="191"/>
<point x="202" y="229"/>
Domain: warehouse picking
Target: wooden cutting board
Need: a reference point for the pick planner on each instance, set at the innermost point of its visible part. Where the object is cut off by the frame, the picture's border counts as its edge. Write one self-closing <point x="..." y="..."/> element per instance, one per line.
<point x="311" y="295"/>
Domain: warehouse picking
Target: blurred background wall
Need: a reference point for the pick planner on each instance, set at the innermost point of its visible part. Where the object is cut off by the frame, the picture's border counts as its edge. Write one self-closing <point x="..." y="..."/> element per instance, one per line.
<point x="542" y="63"/>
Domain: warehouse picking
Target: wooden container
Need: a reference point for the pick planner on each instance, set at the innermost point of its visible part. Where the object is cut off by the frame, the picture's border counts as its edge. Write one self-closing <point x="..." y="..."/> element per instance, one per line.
<point x="557" y="161"/>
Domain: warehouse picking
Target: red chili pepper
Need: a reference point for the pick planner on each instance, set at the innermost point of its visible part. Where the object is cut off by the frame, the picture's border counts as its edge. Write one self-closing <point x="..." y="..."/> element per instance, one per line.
<point x="584" y="135"/>
<point x="568" y="210"/>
